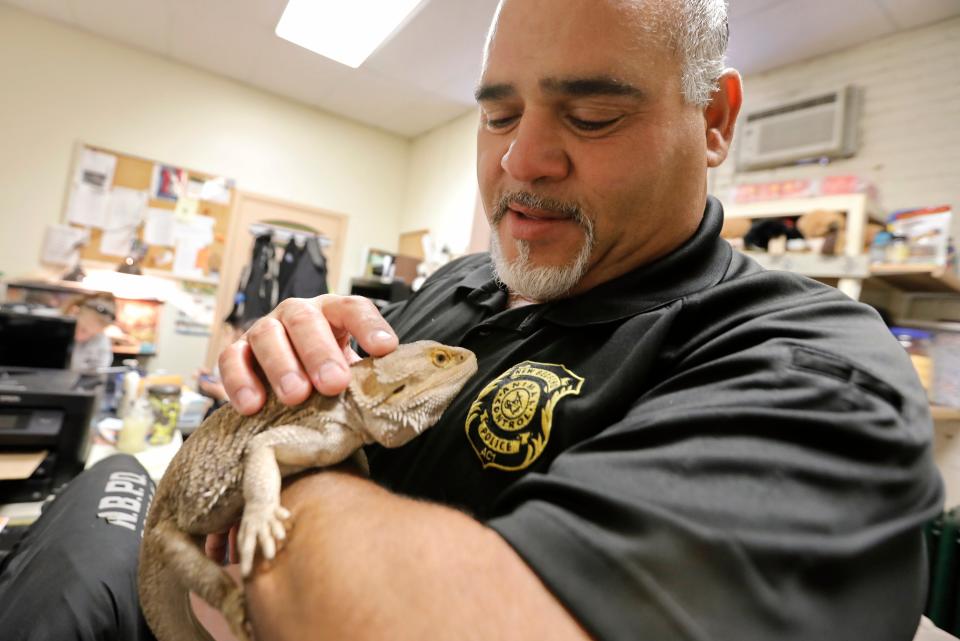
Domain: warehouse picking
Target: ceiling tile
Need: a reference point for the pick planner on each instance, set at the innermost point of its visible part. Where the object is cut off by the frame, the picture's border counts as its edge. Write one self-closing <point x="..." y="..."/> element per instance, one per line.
<point x="440" y="49"/>
<point x="54" y="9"/>
<point x="762" y="40"/>
<point x="914" y="13"/>
<point x="282" y="66"/>
<point x="746" y="7"/>
<point x="205" y="36"/>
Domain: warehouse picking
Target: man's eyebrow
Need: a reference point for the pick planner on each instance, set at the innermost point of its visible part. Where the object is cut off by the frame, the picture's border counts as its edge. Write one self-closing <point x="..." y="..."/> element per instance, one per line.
<point x="594" y="86"/>
<point x="494" y="92"/>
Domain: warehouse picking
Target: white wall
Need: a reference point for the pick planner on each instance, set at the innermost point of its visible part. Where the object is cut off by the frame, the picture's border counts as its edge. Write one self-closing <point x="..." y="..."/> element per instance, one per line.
<point x="61" y="86"/>
<point x="441" y="188"/>
<point x="910" y="124"/>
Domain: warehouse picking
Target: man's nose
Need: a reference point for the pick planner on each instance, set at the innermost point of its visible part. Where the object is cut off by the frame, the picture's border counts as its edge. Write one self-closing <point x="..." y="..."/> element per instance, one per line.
<point x="536" y="152"/>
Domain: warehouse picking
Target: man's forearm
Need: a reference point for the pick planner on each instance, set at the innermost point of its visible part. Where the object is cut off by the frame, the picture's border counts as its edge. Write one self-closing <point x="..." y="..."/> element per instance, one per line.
<point x="362" y="563"/>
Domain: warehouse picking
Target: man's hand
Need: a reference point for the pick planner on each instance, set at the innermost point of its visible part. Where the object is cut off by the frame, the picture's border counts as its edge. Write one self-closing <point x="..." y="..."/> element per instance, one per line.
<point x="303" y="344"/>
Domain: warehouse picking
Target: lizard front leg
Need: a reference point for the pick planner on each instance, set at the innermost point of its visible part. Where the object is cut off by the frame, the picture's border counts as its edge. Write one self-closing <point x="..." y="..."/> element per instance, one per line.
<point x="295" y="448"/>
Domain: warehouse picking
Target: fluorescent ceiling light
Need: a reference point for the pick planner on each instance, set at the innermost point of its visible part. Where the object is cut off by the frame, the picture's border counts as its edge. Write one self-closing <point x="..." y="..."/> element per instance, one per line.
<point x="347" y="31"/>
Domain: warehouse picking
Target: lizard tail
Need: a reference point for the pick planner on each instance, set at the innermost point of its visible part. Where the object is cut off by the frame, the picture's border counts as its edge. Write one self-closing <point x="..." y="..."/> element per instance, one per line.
<point x="165" y="554"/>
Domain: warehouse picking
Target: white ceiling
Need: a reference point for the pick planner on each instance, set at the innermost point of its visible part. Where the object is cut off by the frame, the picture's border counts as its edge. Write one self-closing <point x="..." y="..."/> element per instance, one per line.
<point x="425" y="75"/>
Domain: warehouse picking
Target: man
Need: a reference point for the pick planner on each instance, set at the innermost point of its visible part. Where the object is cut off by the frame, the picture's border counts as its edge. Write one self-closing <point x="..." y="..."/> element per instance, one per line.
<point x="663" y="441"/>
<point x="91" y="348"/>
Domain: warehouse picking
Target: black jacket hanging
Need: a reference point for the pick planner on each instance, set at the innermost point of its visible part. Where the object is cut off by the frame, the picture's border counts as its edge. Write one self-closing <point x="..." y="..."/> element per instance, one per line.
<point x="291" y="256"/>
<point x="257" y="293"/>
<point x="308" y="278"/>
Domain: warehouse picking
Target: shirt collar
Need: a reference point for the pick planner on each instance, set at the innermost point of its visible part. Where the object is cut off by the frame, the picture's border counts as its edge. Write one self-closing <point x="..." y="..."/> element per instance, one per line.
<point x="697" y="264"/>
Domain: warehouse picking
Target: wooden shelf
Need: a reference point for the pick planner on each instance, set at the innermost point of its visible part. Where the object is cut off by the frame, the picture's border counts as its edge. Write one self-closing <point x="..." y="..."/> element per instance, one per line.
<point x="922" y="278"/>
<point x="800" y="206"/>
<point x="943" y="413"/>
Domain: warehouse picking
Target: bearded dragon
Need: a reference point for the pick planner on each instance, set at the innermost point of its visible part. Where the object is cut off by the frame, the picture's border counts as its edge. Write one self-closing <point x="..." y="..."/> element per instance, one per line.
<point x="233" y="464"/>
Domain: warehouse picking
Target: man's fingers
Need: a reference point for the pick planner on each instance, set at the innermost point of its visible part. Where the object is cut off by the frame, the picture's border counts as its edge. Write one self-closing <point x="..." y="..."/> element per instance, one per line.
<point x="301" y="345"/>
<point x="316" y="344"/>
<point x="232" y="538"/>
<point x="271" y="346"/>
<point x="358" y="317"/>
<point x="240" y="381"/>
<point x="215" y="546"/>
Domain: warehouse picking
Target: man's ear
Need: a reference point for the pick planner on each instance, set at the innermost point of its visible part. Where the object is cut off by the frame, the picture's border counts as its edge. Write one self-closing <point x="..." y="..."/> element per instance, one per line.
<point x="720" y="116"/>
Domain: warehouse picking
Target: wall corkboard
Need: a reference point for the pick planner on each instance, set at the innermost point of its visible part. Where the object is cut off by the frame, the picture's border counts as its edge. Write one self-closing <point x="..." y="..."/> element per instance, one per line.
<point x="196" y="200"/>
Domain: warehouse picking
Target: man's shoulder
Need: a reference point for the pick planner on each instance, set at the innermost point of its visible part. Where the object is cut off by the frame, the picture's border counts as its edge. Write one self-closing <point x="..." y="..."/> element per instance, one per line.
<point x="475" y="268"/>
<point x="463" y="265"/>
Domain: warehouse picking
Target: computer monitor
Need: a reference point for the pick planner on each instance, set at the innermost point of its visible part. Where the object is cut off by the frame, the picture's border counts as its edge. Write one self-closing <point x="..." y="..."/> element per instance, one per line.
<point x="31" y="340"/>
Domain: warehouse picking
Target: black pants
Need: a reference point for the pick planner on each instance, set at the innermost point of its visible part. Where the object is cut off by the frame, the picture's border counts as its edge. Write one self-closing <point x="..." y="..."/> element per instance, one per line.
<point x="73" y="575"/>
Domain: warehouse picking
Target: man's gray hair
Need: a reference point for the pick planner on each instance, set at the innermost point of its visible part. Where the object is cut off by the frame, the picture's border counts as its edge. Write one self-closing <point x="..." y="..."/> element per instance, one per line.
<point x="701" y="39"/>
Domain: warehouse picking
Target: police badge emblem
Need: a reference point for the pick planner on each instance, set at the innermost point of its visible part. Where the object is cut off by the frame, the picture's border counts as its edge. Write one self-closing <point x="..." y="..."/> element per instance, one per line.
<point x="509" y="423"/>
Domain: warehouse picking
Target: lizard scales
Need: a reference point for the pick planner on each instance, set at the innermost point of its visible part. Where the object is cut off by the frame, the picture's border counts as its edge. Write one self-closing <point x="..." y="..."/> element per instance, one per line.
<point x="232" y="466"/>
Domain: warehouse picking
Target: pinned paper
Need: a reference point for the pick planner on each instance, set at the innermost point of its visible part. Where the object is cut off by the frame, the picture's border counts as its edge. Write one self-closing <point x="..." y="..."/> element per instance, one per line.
<point x="159" y="227"/>
<point x="217" y="190"/>
<point x="117" y="242"/>
<point x="61" y="244"/>
<point x="88" y="206"/>
<point x="192" y="236"/>
<point x="125" y="208"/>
<point x="194" y="188"/>
<point x="168" y="182"/>
<point x="96" y="169"/>
<point x="186" y="208"/>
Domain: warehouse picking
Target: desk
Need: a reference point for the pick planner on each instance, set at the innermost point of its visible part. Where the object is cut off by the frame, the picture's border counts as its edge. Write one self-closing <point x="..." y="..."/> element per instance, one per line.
<point x="154" y="459"/>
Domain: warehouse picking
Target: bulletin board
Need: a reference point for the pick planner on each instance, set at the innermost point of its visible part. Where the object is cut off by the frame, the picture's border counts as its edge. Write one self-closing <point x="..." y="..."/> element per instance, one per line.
<point x="183" y="217"/>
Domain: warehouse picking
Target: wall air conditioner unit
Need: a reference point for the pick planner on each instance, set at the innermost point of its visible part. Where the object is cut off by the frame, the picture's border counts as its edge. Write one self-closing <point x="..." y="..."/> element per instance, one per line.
<point x="823" y="125"/>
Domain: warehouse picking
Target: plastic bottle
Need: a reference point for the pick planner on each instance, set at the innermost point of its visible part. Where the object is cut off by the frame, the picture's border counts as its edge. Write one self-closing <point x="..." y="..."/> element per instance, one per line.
<point x="878" y="248"/>
<point x="898" y="249"/>
<point x="136" y="426"/>
<point x="131" y="386"/>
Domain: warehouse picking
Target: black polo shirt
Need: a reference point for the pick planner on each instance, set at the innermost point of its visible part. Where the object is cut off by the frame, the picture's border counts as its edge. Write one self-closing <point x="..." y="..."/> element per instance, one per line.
<point x="699" y="449"/>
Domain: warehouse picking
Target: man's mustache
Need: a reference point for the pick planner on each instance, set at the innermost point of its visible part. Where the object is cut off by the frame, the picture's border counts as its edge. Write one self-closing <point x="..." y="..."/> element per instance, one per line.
<point x="527" y="199"/>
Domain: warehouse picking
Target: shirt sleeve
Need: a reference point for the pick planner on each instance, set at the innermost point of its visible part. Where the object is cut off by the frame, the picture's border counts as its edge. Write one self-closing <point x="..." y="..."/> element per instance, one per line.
<point x="92" y="354"/>
<point x="776" y="492"/>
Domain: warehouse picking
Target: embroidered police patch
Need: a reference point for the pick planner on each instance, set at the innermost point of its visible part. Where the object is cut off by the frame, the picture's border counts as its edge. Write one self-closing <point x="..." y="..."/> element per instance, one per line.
<point x="509" y="423"/>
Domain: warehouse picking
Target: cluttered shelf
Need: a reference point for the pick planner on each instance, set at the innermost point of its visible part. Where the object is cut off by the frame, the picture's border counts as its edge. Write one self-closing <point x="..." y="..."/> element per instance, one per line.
<point x="855" y="202"/>
<point x="906" y="277"/>
<point x="917" y="277"/>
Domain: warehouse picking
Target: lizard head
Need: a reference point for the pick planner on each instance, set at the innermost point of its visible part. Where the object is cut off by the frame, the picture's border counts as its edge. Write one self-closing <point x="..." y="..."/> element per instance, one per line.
<point x="405" y="392"/>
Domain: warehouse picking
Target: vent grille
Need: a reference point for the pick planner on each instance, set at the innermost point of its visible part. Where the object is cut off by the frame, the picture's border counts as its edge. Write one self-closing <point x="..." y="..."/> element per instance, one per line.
<point x="828" y="99"/>
<point x="801" y="130"/>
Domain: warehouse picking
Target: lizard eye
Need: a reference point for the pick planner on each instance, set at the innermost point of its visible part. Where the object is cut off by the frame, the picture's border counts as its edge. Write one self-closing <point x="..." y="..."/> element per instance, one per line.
<point x="440" y="358"/>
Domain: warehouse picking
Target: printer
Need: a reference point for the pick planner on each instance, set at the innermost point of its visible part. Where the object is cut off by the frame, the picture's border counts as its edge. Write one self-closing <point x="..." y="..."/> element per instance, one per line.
<point x="48" y="411"/>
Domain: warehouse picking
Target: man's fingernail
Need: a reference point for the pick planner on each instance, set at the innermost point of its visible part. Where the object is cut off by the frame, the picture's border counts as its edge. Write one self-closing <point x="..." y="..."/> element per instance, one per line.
<point x="330" y="372"/>
<point x="291" y="383"/>
<point x="381" y="336"/>
<point x="246" y="398"/>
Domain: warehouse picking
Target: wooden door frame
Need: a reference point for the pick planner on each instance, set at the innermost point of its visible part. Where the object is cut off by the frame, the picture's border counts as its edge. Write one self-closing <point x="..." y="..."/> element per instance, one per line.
<point x="237" y="252"/>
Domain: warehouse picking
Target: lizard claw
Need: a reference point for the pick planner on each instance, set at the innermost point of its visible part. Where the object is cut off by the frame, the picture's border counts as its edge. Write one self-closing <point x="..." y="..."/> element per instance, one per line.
<point x="261" y="524"/>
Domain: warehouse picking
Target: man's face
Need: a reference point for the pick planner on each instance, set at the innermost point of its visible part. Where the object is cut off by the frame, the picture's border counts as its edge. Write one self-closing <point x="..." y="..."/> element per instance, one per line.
<point x="89" y="324"/>
<point x="587" y="151"/>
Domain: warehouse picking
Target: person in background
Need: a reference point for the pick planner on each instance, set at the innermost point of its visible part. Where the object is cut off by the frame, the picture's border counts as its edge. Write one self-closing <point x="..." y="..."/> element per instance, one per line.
<point x="208" y="382"/>
<point x="91" y="348"/>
